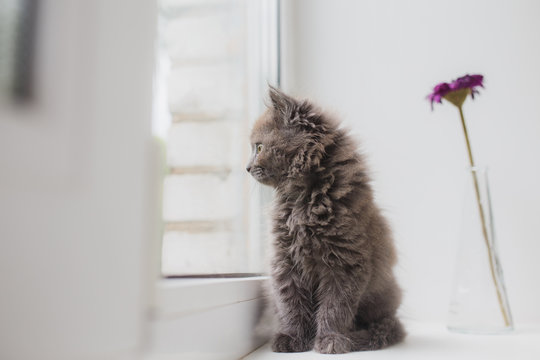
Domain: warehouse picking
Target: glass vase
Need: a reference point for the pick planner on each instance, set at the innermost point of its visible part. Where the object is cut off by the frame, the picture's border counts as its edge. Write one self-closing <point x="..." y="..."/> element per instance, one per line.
<point x="479" y="302"/>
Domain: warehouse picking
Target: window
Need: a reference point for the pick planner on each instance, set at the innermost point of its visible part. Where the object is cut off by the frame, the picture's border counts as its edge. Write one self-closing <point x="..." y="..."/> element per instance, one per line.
<point x="215" y="59"/>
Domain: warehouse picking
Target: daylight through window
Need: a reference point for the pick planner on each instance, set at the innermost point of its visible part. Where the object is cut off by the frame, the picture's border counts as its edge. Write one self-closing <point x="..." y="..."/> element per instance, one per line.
<point x="215" y="59"/>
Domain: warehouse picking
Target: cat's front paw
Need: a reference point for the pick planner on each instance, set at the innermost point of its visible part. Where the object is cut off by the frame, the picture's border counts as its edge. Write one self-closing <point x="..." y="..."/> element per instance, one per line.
<point x="333" y="344"/>
<point x="286" y="343"/>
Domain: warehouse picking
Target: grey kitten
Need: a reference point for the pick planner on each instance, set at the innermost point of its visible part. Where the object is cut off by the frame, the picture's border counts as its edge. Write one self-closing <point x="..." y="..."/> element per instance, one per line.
<point x="332" y="283"/>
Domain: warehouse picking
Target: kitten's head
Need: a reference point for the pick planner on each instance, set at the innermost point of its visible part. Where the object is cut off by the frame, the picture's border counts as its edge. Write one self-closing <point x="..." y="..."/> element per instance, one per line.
<point x="288" y="141"/>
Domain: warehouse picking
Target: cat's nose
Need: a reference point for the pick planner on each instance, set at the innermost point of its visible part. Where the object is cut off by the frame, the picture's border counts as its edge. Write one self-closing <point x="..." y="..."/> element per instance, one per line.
<point x="248" y="168"/>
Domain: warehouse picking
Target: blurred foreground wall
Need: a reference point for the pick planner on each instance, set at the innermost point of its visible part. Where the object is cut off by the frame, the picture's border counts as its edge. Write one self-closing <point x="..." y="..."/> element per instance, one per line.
<point x="73" y="186"/>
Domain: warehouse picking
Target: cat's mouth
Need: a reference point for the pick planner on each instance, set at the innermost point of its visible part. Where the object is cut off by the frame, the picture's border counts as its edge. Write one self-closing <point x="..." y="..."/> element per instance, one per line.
<point x="260" y="174"/>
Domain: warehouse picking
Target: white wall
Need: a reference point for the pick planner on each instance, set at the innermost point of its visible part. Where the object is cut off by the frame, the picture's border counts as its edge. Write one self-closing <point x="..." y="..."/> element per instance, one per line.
<point x="373" y="63"/>
<point x="74" y="180"/>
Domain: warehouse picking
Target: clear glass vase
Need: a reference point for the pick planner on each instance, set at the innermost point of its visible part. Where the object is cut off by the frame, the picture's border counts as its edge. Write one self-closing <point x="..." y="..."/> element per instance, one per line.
<point x="479" y="303"/>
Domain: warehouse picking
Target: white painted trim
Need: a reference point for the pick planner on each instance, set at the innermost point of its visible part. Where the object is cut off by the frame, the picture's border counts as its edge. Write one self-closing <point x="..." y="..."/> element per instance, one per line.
<point x="261" y="70"/>
<point x="178" y="297"/>
<point x="205" y="319"/>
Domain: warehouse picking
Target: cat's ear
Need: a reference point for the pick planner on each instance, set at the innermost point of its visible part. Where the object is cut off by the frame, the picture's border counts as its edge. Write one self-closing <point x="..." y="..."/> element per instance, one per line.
<point x="296" y="113"/>
<point x="307" y="158"/>
<point x="283" y="104"/>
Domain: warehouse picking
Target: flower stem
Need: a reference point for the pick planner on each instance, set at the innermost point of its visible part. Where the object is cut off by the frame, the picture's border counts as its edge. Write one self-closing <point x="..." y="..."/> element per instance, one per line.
<point x="483" y="220"/>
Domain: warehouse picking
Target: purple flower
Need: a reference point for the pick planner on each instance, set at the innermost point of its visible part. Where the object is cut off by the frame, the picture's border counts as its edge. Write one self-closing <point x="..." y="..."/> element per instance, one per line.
<point x="438" y="92"/>
<point x="464" y="82"/>
<point x="468" y="82"/>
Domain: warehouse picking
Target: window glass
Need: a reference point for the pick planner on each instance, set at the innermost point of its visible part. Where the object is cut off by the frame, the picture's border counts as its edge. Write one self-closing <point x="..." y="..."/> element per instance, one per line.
<point x="215" y="59"/>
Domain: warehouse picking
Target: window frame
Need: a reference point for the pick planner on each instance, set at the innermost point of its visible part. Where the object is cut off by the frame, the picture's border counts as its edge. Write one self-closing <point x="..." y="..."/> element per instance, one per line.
<point x="225" y="310"/>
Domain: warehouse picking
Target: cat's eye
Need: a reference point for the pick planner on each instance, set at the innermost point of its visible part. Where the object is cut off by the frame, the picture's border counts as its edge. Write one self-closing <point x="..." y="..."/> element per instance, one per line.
<point x="258" y="148"/>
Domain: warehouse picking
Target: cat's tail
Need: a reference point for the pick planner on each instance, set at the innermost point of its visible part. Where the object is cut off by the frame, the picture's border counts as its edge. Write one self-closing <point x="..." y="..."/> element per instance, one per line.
<point x="378" y="335"/>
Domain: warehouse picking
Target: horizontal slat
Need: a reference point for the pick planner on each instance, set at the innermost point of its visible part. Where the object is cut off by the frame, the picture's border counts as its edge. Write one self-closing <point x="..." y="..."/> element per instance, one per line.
<point x="198" y="226"/>
<point x="218" y="170"/>
<point x="213" y="88"/>
<point x="205" y="144"/>
<point x="200" y="117"/>
<point x="207" y="197"/>
<point x="172" y="9"/>
<point x="215" y="252"/>
<point x="204" y="61"/>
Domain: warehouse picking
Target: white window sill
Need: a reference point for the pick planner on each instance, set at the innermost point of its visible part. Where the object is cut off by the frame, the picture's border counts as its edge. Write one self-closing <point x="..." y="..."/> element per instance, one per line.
<point x="434" y="342"/>
<point x="205" y="318"/>
<point x="177" y="297"/>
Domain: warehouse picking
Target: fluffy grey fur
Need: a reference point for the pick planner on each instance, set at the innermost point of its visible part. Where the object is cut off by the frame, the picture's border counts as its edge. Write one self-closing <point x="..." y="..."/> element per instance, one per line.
<point x="332" y="283"/>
